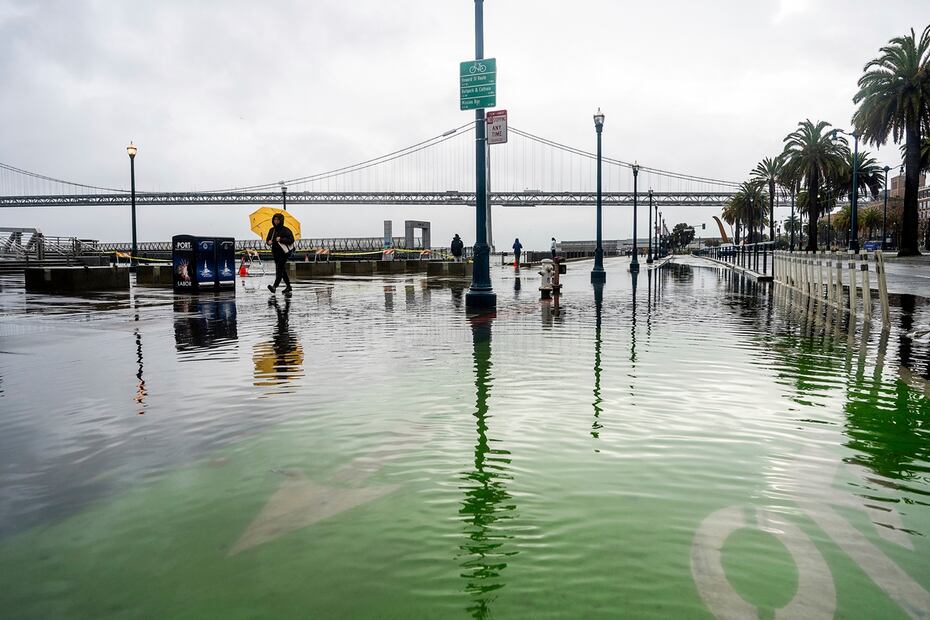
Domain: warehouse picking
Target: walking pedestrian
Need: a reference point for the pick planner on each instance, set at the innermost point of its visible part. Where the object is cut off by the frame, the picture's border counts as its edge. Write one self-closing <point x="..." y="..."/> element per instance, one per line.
<point x="457" y="247"/>
<point x="552" y="247"/>
<point x="281" y="241"/>
<point x="517" y="248"/>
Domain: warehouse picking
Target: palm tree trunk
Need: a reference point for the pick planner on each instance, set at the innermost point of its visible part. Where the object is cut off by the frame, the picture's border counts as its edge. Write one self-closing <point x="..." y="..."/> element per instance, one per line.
<point x="911" y="180"/>
<point x="813" y="201"/>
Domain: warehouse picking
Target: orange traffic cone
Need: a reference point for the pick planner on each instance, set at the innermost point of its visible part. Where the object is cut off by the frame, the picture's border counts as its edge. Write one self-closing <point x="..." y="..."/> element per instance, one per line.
<point x="243" y="272"/>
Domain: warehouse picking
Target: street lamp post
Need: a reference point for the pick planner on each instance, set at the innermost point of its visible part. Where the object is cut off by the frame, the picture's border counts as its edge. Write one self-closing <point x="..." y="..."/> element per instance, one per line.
<point x="655" y="232"/>
<point x="598" y="274"/>
<point x="634" y="264"/>
<point x="854" y="197"/>
<point x="132" y="150"/>
<point x="649" y="252"/>
<point x="284" y="195"/>
<point x="885" y="208"/>
<point x="791" y="246"/>
<point x="854" y="240"/>
<point x="480" y="294"/>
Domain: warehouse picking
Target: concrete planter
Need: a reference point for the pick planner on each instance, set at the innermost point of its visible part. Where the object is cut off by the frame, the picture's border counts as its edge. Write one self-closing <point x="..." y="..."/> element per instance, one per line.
<point x="76" y="279"/>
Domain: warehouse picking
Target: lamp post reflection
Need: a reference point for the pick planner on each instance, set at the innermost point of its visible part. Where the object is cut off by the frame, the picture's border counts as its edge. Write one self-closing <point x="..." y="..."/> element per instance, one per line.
<point x="141" y="392"/>
<point x="596" y="426"/>
<point x="635" y="276"/>
<point x="487" y="503"/>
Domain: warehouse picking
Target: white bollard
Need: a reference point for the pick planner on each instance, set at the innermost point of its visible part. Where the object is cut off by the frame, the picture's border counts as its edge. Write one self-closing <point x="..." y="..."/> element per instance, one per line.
<point x="852" y="287"/>
<point x="882" y="289"/>
<point x="866" y="290"/>
<point x="839" y="282"/>
<point x="830" y="296"/>
<point x="820" y="260"/>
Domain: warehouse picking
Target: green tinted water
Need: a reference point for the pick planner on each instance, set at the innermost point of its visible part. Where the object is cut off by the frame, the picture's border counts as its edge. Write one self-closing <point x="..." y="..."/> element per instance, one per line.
<point x="367" y="450"/>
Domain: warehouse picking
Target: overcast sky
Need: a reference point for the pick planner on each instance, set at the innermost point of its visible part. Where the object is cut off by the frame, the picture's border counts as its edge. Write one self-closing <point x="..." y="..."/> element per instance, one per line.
<point x="220" y="94"/>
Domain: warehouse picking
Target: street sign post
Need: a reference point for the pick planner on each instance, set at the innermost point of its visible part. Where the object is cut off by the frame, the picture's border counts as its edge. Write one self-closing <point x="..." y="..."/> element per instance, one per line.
<point x="478" y="84"/>
<point x="497" y="126"/>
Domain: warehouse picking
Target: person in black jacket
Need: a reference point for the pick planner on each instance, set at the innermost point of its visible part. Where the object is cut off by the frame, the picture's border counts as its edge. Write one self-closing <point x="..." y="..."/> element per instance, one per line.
<point x="457" y="247"/>
<point x="281" y="240"/>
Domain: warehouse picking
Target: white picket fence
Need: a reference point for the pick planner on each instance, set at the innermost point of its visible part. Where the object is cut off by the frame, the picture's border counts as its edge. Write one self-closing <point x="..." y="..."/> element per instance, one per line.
<point x="820" y="276"/>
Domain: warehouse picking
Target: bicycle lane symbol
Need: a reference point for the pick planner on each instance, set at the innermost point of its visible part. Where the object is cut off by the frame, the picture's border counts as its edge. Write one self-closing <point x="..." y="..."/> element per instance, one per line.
<point x="478" y="67"/>
<point x="816" y="594"/>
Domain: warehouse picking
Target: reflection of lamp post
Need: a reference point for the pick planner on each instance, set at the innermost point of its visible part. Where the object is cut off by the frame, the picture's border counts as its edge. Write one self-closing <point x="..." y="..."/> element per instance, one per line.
<point x="132" y="150"/>
<point x="598" y="274"/>
<point x="487" y="502"/>
<point x="649" y="253"/>
<point x="598" y="303"/>
<point x="634" y="264"/>
<point x="885" y="208"/>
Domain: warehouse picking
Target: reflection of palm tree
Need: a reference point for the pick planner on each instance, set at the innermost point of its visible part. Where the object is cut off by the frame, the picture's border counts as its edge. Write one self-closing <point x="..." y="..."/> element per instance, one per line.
<point x="486" y="501"/>
<point x="598" y="302"/>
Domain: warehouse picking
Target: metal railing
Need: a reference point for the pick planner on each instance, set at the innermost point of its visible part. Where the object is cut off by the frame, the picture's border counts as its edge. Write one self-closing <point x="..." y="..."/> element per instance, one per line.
<point x="752" y="257"/>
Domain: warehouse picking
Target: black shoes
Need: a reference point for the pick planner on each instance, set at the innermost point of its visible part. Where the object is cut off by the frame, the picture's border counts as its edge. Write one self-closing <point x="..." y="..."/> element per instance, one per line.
<point x="271" y="288"/>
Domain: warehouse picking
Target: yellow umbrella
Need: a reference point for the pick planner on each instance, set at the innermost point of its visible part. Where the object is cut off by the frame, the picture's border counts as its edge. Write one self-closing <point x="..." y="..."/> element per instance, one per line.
<point x="260" y="221"/>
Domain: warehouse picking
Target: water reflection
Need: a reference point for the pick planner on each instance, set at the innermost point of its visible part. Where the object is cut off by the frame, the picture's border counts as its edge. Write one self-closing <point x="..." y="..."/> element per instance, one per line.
<point x="487" y="502"/>
<point x="279" y="361"/>
<point x="389" y="298"/>
<point x="598" y="305"/>
<point x="204" y="322"/>
<point x="141" y="392"/>
<point x="634" y="275"/>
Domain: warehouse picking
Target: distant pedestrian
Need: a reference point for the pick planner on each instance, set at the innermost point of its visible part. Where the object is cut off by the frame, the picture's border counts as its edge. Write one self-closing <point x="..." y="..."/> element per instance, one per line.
<point x="517" y="248"/>
<point x="457" y="247"/>
<point x="552" y="247"/>
<point x="281" y="241"/>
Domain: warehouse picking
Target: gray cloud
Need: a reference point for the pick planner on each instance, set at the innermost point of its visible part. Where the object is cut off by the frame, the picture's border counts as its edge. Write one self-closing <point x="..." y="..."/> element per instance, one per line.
<point x="219" y="94"/>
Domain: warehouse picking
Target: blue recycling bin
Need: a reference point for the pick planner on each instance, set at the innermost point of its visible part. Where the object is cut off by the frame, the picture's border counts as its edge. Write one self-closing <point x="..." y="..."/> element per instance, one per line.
<point x="225" y="263"/>
<point x="203" y="263"/>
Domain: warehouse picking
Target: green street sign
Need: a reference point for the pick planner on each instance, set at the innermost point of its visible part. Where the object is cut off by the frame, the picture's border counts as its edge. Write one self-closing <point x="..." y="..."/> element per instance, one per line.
<point x="478" y="84"/>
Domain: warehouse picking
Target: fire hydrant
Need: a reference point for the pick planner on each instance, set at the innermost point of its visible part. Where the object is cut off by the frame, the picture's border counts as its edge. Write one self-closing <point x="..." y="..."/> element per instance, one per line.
<point x="546" y="273"/>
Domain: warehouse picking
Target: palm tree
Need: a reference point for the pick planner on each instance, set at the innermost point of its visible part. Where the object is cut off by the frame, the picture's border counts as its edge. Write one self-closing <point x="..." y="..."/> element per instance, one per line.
<point x="841" y="221"/>
<point x="870" y="176"/>
<point x="870" y="218"/>
<point x="894" y="98"/>
<point x="769" y="173"/>
<point x="812" y="156"/>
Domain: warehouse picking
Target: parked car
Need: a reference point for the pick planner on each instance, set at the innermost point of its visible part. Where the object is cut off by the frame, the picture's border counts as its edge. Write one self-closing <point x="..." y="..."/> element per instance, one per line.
<point x="872" y="245"/>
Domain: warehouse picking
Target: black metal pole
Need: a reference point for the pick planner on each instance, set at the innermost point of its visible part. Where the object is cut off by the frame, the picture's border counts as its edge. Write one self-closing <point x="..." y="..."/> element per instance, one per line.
<point x="885" y="208"/>
<point x="655" y="231"/>
<point x="634" y="264"/>
<point x="791" y="248"/>
<point x="480" y="294"/>
<point x="649" y="252"/>
<point x="598" y="274"/>
<point x="284" y="197"/>
<point x="132" y="189"/>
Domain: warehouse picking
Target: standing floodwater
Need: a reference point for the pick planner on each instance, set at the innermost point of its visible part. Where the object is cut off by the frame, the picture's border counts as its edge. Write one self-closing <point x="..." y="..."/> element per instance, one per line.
<point x="364" y="449"/>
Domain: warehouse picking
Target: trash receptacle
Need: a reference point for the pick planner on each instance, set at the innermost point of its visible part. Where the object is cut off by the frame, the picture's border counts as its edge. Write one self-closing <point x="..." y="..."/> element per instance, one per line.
<point x="195" y="264"/>
<point x="225" y="263"/>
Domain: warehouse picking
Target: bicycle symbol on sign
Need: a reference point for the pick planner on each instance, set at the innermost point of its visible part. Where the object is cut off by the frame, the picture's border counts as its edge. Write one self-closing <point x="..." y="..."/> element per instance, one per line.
<point x="478" y="67"/>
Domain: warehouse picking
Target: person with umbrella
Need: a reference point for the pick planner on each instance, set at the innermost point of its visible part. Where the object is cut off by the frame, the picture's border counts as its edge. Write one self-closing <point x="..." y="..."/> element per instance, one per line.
<point x="281" y="241"/>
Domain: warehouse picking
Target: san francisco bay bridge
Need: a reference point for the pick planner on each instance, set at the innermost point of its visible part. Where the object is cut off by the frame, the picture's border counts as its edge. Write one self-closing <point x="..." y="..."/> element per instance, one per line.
<point x="527" y="171"/>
